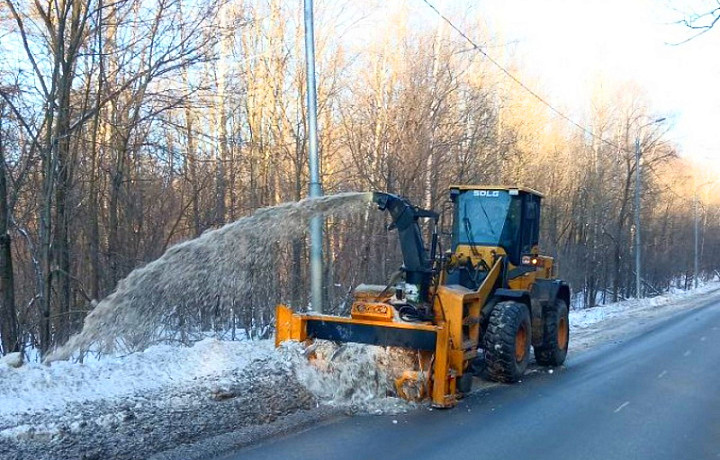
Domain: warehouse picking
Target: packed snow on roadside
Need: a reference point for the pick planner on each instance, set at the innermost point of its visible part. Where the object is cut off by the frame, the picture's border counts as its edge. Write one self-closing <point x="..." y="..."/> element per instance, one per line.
<point x="590" y="326"/>
<point x="146" y="402"/>
<point x="584" y="318"/>
<point x="49" y="399"/>
<point x="34" y="387"/>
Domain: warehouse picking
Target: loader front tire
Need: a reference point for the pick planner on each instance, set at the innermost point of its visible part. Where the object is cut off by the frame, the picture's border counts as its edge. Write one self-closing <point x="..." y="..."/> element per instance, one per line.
<point x="507" y="342"/>
<point x="556" y="337"/>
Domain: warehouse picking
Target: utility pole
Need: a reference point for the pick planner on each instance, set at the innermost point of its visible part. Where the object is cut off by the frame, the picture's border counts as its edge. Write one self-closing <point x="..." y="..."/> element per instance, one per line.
<point x="316" y="224"/>
<point x="637" y="217"/>
<point x="638" y="277"/>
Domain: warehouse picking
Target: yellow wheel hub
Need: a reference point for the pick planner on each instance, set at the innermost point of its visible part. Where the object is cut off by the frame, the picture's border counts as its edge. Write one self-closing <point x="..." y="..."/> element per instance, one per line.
<point x="562" y="333"/>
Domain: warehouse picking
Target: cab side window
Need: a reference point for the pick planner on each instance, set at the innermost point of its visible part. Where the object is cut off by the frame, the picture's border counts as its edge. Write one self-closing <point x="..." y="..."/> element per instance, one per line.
<point x="531" y="223"/>
<point x="511" y="231"/>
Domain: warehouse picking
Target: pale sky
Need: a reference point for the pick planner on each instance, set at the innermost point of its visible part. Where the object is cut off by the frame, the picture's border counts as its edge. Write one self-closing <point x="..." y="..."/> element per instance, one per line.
<point x="566" y="44"/>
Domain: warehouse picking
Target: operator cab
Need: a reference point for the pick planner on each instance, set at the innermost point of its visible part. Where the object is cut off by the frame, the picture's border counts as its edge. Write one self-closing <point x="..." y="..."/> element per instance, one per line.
<point x="491" y="216"/>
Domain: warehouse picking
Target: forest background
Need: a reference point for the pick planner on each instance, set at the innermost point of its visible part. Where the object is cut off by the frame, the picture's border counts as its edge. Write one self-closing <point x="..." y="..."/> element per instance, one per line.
<point x="127" y="126"/>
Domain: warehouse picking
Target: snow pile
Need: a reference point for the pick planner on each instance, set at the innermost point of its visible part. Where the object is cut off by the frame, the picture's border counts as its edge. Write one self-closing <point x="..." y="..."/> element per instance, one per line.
<point x="147" y="402"/>
<point x="614" y="321"/>
<point x="360" y="377"/>
<point x="12" y="359"/>
<point x="587" y="317"/>
<point x="354" y="376"/>
<point x="36" y="387"/>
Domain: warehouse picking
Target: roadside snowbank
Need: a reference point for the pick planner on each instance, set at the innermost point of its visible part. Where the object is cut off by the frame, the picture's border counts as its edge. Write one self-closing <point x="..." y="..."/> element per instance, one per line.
<point x="167" y="396"/>
<point x="352" y="375"/>
<point x="36" y="387"/>
<point x="220" y="387"/>
<point x="590" y="326"/>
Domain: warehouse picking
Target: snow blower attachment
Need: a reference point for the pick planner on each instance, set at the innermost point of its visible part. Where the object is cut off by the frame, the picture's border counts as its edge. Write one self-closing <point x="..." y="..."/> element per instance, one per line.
<point x="492" y="290"/>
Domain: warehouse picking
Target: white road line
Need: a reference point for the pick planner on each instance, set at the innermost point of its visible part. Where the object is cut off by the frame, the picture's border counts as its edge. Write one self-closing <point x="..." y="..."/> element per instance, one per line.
<point x="622" y="406"/>
<point x="661" y="374"/>
<point x="687" y="353"/>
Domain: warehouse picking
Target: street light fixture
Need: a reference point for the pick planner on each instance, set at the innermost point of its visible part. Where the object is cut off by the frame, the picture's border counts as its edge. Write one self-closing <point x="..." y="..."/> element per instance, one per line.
<point x="637" y="206"/>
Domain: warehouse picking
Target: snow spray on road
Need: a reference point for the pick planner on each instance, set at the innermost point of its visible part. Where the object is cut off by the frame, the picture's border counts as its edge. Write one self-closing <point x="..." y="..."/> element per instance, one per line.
<point x="209" y="273"/>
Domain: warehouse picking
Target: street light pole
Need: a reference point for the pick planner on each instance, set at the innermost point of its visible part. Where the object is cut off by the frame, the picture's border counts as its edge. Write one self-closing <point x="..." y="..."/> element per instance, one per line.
<point x="638" y="277"/>
<point x="316" y="224"/>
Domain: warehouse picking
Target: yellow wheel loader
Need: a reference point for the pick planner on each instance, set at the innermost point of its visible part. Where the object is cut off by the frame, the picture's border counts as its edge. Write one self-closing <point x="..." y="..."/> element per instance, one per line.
<point x="491" y="291"/>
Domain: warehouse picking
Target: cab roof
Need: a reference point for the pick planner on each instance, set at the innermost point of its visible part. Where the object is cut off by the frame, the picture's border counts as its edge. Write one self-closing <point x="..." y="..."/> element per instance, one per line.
<point x="497" y="187"/>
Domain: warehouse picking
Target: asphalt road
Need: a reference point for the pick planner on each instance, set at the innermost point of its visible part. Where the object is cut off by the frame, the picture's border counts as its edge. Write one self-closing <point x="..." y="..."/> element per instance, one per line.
<point x="654" y="396"/>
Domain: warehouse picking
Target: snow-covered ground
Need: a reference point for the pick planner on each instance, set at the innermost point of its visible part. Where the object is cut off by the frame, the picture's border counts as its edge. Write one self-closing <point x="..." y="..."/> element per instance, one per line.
<point x="128" y="407"/>
<point x="37" y="387"/>
<point x="143" y="403"/>
<point x="591" y="326"/>
<point x="151" y="401"/>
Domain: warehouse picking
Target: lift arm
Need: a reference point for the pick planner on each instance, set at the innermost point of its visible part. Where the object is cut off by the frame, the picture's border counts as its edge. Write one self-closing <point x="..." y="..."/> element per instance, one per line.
<point x="417" y="264"/>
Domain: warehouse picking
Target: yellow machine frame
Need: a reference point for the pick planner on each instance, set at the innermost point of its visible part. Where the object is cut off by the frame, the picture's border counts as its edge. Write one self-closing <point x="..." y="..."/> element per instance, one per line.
<point x="457" y="306"/>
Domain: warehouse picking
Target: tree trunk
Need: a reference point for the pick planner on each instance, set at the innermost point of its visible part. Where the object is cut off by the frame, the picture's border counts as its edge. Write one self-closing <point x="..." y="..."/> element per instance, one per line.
<point x="8" y="318"/>
<point x="61" y="243"/>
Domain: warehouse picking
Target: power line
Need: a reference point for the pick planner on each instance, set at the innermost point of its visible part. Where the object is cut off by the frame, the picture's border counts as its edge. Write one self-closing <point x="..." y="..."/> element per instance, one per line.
<point x="540" y="98"/>
<point x="518" y="81"/>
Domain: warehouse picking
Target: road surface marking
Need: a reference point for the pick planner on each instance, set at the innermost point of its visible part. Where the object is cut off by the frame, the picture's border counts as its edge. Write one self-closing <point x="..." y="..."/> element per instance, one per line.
<point x="622" y="406"/>
<point x="662" y="374"/>
<point x="687" y="353"/>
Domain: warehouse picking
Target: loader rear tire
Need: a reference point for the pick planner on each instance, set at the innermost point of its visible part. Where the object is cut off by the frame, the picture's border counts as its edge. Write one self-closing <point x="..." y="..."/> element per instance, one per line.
<point x="507" y="342"/>
<point x="557" y="336"/>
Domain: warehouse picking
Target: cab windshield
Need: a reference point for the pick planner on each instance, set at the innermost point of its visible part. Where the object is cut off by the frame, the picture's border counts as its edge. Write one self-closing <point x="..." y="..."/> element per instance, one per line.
<point x="487" y="218"/>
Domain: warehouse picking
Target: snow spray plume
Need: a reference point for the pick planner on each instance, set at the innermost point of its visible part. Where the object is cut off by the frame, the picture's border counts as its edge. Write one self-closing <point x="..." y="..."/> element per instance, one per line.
<point x="209" y="274"/>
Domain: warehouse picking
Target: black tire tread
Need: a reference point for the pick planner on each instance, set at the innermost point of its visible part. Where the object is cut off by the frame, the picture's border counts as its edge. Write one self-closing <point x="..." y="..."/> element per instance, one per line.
<point x="549" y="353"/>
<point x="505" y="319"/>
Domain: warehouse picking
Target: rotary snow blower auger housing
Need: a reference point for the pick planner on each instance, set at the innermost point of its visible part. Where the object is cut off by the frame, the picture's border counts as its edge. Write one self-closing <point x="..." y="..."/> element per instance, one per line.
<point x="492" y="291"/>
